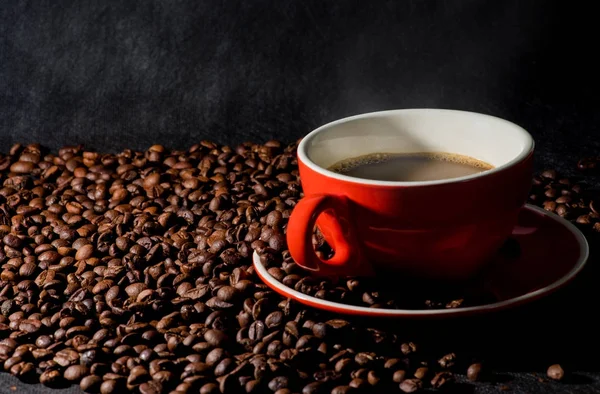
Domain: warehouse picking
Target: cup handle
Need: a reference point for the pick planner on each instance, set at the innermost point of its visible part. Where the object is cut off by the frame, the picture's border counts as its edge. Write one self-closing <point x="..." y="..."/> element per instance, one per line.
<point x="332" y="213"/>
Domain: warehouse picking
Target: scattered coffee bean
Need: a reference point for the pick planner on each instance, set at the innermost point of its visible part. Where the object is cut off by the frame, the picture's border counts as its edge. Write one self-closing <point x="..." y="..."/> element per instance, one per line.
<point x="421" y="372"/>
<point x="555" y="372"/>
<point x="441" y="379"/>
<point x="447" y="361"/>
<point x="474" y="372"/>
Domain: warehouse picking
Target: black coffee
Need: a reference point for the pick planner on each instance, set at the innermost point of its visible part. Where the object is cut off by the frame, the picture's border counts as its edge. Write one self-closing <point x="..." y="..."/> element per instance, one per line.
<point x="410" y="167"/>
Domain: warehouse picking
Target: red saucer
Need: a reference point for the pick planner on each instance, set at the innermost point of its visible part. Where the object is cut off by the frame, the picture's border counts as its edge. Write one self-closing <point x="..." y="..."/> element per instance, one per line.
<point x="552" y="252"/>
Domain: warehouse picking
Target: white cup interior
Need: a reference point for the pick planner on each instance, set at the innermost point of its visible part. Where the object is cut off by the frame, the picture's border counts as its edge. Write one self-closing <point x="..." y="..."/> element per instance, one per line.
<point x="487" y="138"/>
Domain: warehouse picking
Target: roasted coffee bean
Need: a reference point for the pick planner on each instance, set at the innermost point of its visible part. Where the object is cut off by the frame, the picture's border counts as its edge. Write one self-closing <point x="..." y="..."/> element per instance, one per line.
<point x="209" y="388"/>
<point x="110" y="386"/>
<point x="215" y="338"/>
<point x="75" y="372"/>
<point x="214" y="356"/>
<point x="408" y="348"/>
<point x="151" y="387"/>
<point x="319" y="330"/>
<point x="343" y="365"/>
<point x="224" y="366"/>
<point x="411" y="385"/>
<point x="364" y="358"/>
<point x="50" y="377"/>
<point x="137" y="375"/>
<point x="441" y="379"/>
<point x="447" y="361"/>
<point x="341" y="390"/>
<point x="359" y="384"/>
<point x="274" y="319"/>
<point x="278" y="382"/>
<point x="90" y="384"/>
<point x="373" y="378"/>
<point x="227" y="293"/>
<point x="313" y="388"/>
<point x="474" y="372"/>
<point x="66" y="357"/>
<point x="399" y="376"/>
<point x="256" y="332"/>
<point x="555" y="372"/>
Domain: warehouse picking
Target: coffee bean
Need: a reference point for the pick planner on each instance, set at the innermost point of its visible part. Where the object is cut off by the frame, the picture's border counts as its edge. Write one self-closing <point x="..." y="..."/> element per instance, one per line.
<point x="441" y="379"/>
<point x="364" y="358"/>
<point x="549" y="174"/>
<point x="224" y="366"/>
<point x="555" y="372"/>
<point x="66" y="357"/>
<point x="474" y="372"/>
<point x="343" y="365"/>
<point x="252" y="386"/>
<point x="319" y="330"/>
<point x="256" y="332"/>
<point x="111" y="386"/>
<point x="22" y="167"/>
<point x="137" y="375"/>
<point x="151" y="387"/>
<point x="50" y="377"/>
<point x="214" y="356"/>
<point x="278" y="383"/>
<point x="447" y="361"/>
<point x="85" y="252"/>
<point x="408" y="348"/>
<point x="227" y="293"/>
<point x="75" y="372"/>
<point x="359" y="384"/>
<point x="23" y="370"/>
<point x="90" y="384"/>
<point x="209" y="388"/>
<point x="274" y="319"/>
<point x="399" y="376"/>
<point x="341" y="390"/>
<point x="411" y="385"/>
<point x="584" y="219"/>
<point x="215" y="338"/>
<point x="373" y="378"/>
<point x="313" y="388"/>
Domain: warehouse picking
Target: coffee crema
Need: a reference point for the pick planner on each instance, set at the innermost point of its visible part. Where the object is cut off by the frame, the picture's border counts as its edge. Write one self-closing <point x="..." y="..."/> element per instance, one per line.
<point x="410" y="167"/>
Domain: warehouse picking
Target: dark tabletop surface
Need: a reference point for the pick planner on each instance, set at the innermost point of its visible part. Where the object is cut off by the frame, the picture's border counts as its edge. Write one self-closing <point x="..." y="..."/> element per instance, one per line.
<point x="127" y="74"/>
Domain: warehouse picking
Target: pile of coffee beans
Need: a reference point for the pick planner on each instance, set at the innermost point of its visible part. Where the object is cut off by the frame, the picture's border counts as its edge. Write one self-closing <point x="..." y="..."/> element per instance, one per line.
<point x="133" y="271"/>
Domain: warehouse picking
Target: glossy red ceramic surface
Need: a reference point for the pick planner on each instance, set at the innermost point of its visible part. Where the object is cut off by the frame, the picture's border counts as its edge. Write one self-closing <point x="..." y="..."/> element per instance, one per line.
<point x="552" y="252"/>
<point x="437" y="231"/>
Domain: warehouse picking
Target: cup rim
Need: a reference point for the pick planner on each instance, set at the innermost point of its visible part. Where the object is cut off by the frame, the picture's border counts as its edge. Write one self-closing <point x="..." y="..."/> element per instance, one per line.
<point x="303" y="147"/>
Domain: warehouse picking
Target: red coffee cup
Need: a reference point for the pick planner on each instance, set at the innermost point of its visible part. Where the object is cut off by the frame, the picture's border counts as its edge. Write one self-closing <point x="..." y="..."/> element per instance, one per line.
<point x="444" y="229"/>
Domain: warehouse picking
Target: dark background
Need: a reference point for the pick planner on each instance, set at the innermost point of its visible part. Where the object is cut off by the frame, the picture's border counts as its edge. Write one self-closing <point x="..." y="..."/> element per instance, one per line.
<point x="128" y="74"/>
